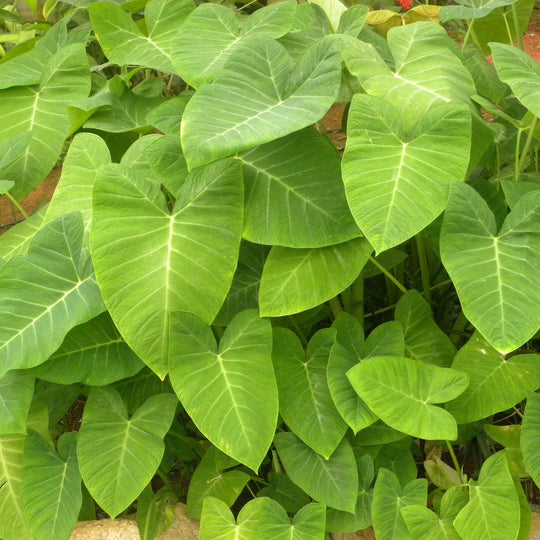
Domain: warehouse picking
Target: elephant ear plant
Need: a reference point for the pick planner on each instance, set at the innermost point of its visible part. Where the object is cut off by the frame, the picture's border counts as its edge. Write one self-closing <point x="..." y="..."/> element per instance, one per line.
<point x="218" y="307"/>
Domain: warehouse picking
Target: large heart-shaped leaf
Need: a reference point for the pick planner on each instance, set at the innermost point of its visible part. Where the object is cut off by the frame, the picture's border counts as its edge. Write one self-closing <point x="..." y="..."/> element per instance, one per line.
<point x="124" y="43"/>
<point x="51" y="486"/>
<point x="493" y="509"/>
<point x="212" y="479"/>
<point x="17" y="240"/>
<point x="150" y="261"/>
<point x="230" y="392"/>
<point x="16" y="391"/>
<point x="130" y="449"/>
<point x="261" y="516"/>
<point x="294" y="280"/>
<point x="212" y="32"/>
<point x="298" y="176"/>
<point x="401" y="392"/>
<point x="92" y="353"/>
<point x="41" y="109"/>
<point x="332" y="481"/>
<point x="424" y="340"/>
<point x="426" y="524"/>
<point x="260" y="95"/>
<point x="13" y="523"/>
<point x="388" y="500"/>
<point x="44" y="294"/>
<point x="397" y="177"/>
<point x="496" y="383"/>
<point x="305" y="402"/>
<point x="518" y="69"/>
<point x="497" y="275"/>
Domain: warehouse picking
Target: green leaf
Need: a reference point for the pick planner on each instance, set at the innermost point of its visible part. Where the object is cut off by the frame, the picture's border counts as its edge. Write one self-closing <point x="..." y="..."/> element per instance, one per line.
<point x="261" y="516"/>
<point x="424" y="340"/>
<point x="16" y="391"/>
<point x="397" y="178"/>
<point x="116" y="108"/>
<point x="93" y="353"/>
<point x="285" y="492"/>
<point x="212" y="479"/>
<point x="44" y="294"/>
<point x="167" y="116"/>
<point x="346" y="352"/>
<point x="472" y="9"/>
<point x="277" y="185"/>
<point x="41" y="109"/>
<point x="244" y="291"/>
<point x="385" y="340"/>
<point x="51" y="486"/>
<point x="388" y="500"/>
<point x="398" y="458"/>
<point x="530" y="436"/>
<point x="16" y="240"/>
<point x="518" y="69"/>
<point x="332" y="481"/>
<point x="260" y="95"/>
<point x="13" y="523"/>
<point x="305" y="402"/>
<point x="130" y="449"/>
<point x="229" y="392"/>
<point x="294" y="280"/>
<point x="498" y="286"/>
<point x="343" y="522"/>
<point x="493" y="509"/>
<point x="10" y="150"/>
<point x="496" y="383"/>
<point x="391" y="385"/>
<point x="424" y="524"/>
<point x="87" y="153"/>
<point x="123" y="42"/>
<point x="150" y="261"/>
<point x="427" y="69"/>
<point x="212" y="33"/>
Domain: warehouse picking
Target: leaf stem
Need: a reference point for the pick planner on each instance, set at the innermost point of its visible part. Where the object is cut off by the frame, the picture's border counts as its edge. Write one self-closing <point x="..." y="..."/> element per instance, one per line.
<point x="455" y="462"/>
<point x="424" y="268"/>
<point x="516" y="26"/>
<point x="527" y="146"/>
<point x="17" y="205"/>
<point x="335" y="306"/>
<point x="389" y="275"/>
<point x="357" y="293"/>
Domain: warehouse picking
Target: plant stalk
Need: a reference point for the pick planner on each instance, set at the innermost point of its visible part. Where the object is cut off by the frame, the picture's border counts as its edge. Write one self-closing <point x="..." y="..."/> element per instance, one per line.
<point x="424" y="268"/>
<point x="17" y="205"/>
<point x="388" y="274"/>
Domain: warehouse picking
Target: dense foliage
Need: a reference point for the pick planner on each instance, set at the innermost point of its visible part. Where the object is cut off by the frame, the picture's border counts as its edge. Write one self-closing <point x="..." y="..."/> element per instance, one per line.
<point x="220" y="307"/>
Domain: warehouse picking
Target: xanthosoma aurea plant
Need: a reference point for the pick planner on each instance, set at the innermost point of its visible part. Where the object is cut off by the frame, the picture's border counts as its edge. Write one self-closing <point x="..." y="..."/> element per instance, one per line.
<point x="216" y="297"/>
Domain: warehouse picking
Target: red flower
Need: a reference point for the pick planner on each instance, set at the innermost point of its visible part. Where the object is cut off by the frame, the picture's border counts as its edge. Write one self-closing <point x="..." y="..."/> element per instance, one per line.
<point x="405" y="4"/>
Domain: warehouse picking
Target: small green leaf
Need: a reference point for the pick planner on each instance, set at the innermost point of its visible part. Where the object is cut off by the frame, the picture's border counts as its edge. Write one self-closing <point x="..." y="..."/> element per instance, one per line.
<point x="493" y="509"/>
<point x="332" y="481"/>
<point x="261" y="516"/>
<point x="130" y="448"/>
<point x="388" y="500"/>
<point x="305" y="402"/>
<point x="391" y="385"/>
<point x="424" y="340"/>
<point x="518" y="69"/>
<point x="212" y="479"/>
<point x="124" y="43"/>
